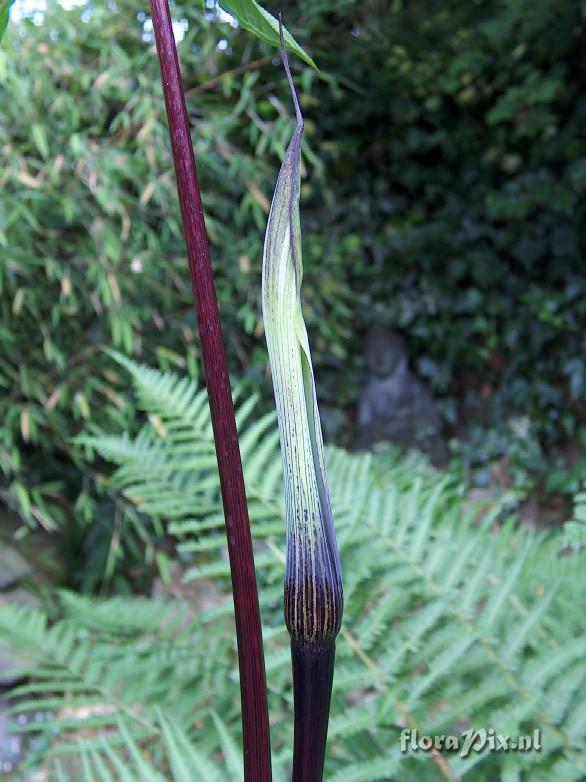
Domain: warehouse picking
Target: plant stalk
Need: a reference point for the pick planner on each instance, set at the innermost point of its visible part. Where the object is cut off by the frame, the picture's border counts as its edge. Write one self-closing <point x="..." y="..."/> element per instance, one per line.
<point x="313" y="674"/>
<point x="255" y="722"/>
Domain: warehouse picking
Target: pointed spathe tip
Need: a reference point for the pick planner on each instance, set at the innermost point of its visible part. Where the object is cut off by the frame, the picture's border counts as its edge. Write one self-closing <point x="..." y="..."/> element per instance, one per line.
<point x="285" y="59"/>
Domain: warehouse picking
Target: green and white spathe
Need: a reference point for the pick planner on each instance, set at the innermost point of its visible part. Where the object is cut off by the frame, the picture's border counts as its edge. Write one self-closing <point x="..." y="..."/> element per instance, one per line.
<point x="313" y="584"/>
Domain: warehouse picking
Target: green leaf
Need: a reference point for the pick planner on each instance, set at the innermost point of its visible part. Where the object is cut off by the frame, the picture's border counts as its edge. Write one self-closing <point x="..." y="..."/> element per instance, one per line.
<point x="257" y="20"/>
<point x="40" y="139"/>
<point x="4" y="7"/>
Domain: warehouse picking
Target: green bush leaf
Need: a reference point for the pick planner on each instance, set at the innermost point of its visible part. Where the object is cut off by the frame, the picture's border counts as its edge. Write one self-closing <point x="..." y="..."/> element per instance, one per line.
<point x="4" y="7"/>
<point x="257" y="20"/>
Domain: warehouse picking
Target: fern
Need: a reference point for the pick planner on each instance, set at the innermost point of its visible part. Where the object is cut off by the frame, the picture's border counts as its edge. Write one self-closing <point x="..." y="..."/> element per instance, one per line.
<point x="448" y="623"/>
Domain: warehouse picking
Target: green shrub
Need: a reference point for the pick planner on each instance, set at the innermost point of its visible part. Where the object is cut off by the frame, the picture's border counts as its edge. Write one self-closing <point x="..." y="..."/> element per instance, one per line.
<point x="92" y="251"/>
<point x="444" y="192"/>
<point x="456" y="173"/>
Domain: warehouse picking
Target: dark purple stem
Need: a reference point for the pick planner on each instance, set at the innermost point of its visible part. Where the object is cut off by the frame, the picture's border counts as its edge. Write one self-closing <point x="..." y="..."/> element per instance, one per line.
<point x="255" y="721"/>
<point x="313" y="673"/>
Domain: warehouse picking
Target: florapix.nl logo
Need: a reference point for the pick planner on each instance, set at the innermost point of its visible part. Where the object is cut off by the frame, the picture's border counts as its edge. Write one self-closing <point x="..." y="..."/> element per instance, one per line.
<point x="472" y="740"/>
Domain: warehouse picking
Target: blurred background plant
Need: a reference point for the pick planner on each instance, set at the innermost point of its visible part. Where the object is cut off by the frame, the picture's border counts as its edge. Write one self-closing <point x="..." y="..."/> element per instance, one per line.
<point x="445" y="172"/>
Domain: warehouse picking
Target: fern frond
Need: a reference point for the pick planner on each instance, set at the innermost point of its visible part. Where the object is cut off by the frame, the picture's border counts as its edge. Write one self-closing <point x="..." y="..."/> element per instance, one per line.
<point x="447" y="622"/>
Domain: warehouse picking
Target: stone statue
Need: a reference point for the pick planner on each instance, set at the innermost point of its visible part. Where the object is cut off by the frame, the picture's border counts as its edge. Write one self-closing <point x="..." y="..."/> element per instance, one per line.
<point x="395" y="406"/>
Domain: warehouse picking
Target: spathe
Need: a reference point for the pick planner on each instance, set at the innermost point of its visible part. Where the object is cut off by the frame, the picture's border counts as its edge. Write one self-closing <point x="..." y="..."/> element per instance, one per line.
<point x="313" y="584"/>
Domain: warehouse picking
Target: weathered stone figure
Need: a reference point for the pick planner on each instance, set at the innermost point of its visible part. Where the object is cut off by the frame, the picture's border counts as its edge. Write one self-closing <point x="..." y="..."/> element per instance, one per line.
<point x="395" y="405"/>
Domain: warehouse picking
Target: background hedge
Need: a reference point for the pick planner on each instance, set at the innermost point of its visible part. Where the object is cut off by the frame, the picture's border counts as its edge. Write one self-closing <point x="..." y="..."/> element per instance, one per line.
<point x="443" y="194"/>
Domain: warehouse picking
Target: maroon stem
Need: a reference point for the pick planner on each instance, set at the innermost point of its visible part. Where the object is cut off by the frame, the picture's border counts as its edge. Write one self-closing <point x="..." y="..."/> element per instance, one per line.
<point x="255" y="721"/>
<point x="313" y="674"/>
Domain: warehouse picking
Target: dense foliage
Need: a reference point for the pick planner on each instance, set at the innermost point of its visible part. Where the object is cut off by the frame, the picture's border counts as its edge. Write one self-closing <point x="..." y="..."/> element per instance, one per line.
<point x="450" y="624"/>
<point x="443" y="192"/>
<point x="459" y="173"/>
<point x="445" y="172"/>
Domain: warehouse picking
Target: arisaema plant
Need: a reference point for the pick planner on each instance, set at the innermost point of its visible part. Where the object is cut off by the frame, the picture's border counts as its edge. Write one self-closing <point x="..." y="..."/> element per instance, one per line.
<point x="313" y="586"/>
<point x="313" y="581"/>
